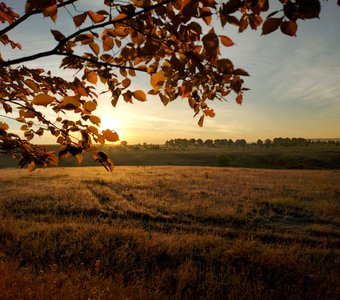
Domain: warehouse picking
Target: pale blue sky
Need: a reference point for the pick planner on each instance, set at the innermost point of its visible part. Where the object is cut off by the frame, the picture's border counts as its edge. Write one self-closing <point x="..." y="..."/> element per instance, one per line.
<point x="295" y="90"/>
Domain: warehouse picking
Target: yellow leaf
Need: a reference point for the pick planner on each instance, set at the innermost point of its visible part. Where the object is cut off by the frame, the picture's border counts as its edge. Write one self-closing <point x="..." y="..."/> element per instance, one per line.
<point x="4" y="126"/>
<point x="139" y="95"/>
<point x="157" y="80"/>
<point x="95" y="48"/>
<point x="110" y="135"/>
<point x="70" y="103"/>
<point x="42" y="99"/>
<point x="95" y="120"/>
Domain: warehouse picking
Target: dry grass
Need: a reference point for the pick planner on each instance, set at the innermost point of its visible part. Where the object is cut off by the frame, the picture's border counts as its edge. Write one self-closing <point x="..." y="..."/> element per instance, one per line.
<point x="169" y="233"/>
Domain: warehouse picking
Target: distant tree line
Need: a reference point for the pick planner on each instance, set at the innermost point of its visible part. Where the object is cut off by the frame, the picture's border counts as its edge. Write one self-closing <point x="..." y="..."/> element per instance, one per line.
<point x="219" y="143"/>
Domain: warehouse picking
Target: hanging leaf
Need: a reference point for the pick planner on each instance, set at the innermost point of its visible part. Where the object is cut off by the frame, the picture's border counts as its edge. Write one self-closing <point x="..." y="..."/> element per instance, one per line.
<point x="79" y="19"/>
<point x="200" y="121"/>
<point x="95" y="120"/>
<point x="95" y="17"/>
<point x="92" y="77"/>
<point x="31" y="166"/>
<point x="139" y="95"/>
<point x="289" y="28"/>
<point x="239" y="99"/>
<point x="90" y="106"/>
<point x="271" y="25"/>
<point x="157" y="80"/>
<point x="69" y="103"/>
<point x="226" y="41"/>
<point x="42" y="99"/>
<point x="95" y="48"/>
<point x="110" y="135"/>
<point x="58" y="35"/>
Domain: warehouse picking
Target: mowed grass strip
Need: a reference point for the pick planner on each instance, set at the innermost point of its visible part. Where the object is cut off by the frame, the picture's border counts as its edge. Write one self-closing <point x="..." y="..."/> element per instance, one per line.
<point x="169" y="233"/>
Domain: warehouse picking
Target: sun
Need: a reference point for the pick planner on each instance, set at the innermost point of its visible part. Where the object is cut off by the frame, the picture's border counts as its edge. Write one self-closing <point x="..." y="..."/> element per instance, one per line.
<point x="111" y="122"/>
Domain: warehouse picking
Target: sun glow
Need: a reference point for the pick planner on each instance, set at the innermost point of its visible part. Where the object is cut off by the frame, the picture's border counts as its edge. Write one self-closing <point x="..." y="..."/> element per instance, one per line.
<point x="112" y="123"/>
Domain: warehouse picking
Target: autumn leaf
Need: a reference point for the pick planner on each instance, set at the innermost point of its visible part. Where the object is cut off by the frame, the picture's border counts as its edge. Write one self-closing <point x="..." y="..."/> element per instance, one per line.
<point x="110" y="135"/>
<point x="95" y="17"/>
<point x="200" y="121"/>
<point x="95" y="120"/>
<point x="51" y="11"/>
<point x="289" y="28"/>
<point x="139" y="95"/>
<point x="271" y="25"/>
<point x="90" y="106"/>
<point x="69" y="103"/>
<point x="92" y="77"/>
<point x="239" y="99"/>
<point x="226" y="41"/>
<point x="32" y="85"/>
<point x="210" y="113"/>
<point x="4" y="126"/>
<point x="157" y="80"/>
<point x="57" y="35"/>
<point x="79" y="19"/>
<point x="42" y="99"/>
<point x="95" y="48"/>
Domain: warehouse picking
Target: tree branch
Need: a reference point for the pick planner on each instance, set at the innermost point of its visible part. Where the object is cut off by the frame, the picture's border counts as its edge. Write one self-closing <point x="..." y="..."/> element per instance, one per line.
<point x="28" y="14"/>
<point x="104" y="64"/>
<point x="55" y="51"/>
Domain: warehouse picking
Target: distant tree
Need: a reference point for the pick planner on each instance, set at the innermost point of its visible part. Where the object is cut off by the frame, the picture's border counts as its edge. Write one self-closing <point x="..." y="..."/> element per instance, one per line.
<point x="174" y="42"/>
<point x="199" y="142"/>
<point x="123" y="143"/>
<point x="209" y="143"/>
<point x="267" y="142"/>
<point x="240" y="143"/>
<point x="259" y="143"/>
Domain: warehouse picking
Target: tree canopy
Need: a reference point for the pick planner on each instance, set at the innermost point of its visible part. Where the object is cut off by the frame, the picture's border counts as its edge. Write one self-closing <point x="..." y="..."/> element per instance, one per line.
<point x="173" y="42"/>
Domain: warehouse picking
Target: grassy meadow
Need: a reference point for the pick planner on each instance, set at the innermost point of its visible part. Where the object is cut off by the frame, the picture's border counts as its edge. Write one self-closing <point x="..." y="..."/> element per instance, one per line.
<point x="169" y="233"/>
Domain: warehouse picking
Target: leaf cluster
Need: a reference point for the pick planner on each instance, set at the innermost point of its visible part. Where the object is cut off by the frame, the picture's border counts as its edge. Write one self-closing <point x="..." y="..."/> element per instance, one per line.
<point x="172" y="41"/>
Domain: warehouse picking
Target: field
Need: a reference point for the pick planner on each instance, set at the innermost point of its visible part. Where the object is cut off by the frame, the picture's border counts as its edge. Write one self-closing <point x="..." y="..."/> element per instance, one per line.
<point x="169" y="233"/>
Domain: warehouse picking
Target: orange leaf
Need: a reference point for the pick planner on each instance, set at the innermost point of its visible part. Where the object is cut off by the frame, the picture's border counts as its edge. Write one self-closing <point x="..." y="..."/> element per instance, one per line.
<point x="31" y="167"/>
<point x="110" y="135"/>
<point x="4" y="126"/>
<point x="96" y="18"/>
<point x="95" y="120"/>
<point x="139" y="95"/>
<point x="108" y="43"/>
<point x="92" y="77"/>
<point x="200" y="121"/>
<point x="95" y="48"/>
<point x="226" y="41"/>
<point x="79" y="19"/>
<point x="90" y="105"/>
<point x="239" y="99"/>
<point x="157" y="80"/>
<point x="210" y="113"/>
<point x="42" y="99"/>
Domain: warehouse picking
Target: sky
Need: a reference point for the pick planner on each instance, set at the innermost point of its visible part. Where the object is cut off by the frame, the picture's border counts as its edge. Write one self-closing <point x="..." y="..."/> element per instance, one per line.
<point x="294" y="85"/>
